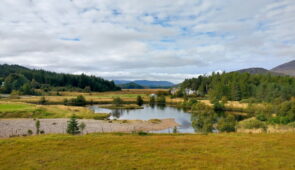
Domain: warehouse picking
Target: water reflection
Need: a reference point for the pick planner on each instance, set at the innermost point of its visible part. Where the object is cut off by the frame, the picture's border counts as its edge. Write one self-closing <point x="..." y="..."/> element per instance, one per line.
<point x="189" y="123"/>
<point x="152" y="112"/>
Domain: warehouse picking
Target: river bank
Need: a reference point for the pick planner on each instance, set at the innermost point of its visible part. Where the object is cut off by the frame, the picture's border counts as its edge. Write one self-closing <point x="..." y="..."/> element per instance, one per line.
<point x="20" y="127"/>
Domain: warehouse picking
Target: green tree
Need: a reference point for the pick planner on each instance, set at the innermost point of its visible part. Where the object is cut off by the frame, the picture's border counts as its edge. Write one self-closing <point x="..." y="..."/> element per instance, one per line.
<point x="139" y="100"/>
<point x="37" y="125"/>
<point x="152" y="100"/>
<point x="161" y="100"/>
<point x="73" y="127"/>
<point x="227" y="124"/>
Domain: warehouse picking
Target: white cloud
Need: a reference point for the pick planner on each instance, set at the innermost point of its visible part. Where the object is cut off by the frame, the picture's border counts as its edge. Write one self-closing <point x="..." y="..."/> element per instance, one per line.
<point x="151" y="39"/>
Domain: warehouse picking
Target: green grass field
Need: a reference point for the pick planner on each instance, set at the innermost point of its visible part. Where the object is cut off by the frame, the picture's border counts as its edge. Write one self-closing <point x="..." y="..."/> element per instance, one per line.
<point x="25" y="110"/>
<point x="127" y="151"/>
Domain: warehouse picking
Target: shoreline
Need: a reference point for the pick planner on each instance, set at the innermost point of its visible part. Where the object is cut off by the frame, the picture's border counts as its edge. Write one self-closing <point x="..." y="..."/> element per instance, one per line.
<point x="20" y="127"/>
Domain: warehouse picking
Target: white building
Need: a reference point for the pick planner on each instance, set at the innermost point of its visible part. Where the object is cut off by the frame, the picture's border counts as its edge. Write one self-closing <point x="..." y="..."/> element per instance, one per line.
<point x="189" y="91"/>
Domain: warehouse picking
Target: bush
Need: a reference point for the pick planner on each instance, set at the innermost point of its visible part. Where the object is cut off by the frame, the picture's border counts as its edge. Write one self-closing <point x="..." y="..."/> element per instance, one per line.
<point x="152" y="100"/>
<point x="261" y="117"/>
<point x="227" y="124"/>
<point x="78" y="101"/>
<point x="279" y="120"/>
<point x="30" y="132"/>
<point x="217" y="106"/>
<point x="142" y="133"/>
<point x="42" y="100"/>
<point x="252" y="123"/>
<point x="139" y="100"/>
<point x="117" y="101"/>
<point x="161" y="100"/>
<point x="175" y="129"/>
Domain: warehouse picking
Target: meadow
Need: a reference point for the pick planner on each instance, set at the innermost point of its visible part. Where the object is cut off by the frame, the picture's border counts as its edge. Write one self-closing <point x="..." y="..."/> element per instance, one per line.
<point x="26" y="110"/>
<point x="131" y="151"/>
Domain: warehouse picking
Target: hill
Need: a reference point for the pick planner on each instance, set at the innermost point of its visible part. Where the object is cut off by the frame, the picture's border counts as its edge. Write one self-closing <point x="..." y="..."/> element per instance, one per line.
<point x="17" y="77"/>
<point x="257" y="70"/>
<point x="286" y="68"/>
<point x="130" y="151"/>
<point x="147" y="83"/>
<point x="131" y="85"/>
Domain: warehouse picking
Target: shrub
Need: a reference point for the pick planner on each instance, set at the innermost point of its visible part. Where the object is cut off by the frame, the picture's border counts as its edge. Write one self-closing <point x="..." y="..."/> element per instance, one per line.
<point x="161" y="100"/>
<point x="217" y="106"/>
<point x="78" y="101"/>
<point x="227" y="124"/>
<point x="42" y="100"/>
<point x="30" y="132"/>
<point x="117" y="101"/>
<point x="203" y="121"/>
<point x="224" y="99"/>
<point x="82" y="126"/>
<point x="152" y="100"/>
<point x="252" y="123"/>
<point x="261" y="117"/>
<point x="139" y="100"/>
<point x="175" y="129"/>
<point x="279" y="120"/>
<point x="142" y="133"/>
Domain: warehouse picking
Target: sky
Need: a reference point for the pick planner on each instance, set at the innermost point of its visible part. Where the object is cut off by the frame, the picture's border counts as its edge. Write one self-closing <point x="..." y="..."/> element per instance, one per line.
<point x="152" y="39"/>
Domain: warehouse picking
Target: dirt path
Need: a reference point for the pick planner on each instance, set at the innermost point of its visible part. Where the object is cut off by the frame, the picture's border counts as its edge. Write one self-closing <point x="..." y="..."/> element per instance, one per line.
<point x="19" y="127"/>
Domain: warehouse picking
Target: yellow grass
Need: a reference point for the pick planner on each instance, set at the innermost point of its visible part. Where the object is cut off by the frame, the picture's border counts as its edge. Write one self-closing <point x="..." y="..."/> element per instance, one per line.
<point x="123" y="151"/>
<point x="25" y="110"/>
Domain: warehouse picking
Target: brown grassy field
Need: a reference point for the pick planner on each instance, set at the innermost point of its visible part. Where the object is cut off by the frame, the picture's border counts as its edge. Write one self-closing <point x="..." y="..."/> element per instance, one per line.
<point x="96" y="97"/>
<point x="127" y="151"/>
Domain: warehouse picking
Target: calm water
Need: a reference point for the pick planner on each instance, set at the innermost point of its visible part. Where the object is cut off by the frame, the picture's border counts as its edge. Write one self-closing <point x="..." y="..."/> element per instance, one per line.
<point x="152" y="112"/>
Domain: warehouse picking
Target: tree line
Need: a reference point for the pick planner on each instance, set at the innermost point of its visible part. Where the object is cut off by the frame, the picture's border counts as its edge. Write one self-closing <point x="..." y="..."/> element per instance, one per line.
<point x="241" y="86"/>
<point x="15" y="77"/>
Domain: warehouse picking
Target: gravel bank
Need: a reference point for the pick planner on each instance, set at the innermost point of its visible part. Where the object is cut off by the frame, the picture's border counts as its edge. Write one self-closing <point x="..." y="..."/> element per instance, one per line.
<point x="20" y="127"/>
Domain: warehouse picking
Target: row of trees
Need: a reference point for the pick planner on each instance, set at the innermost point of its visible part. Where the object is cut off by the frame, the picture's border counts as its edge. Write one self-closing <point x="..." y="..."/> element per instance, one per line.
<point x="16" y="77"/>
<point x="237" y="86"/>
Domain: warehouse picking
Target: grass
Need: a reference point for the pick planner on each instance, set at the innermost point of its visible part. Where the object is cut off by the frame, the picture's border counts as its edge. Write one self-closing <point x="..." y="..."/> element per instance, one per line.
<point x="25" y="110"/>
<point x="128" y="96"/>
<point x="131" y="151"/>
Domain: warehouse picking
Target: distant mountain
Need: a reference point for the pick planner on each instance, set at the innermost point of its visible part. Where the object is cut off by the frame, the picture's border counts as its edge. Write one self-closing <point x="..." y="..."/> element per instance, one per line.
<point x="146" y="83"/>
<point x="258" y="70"/>
<point x="118" y="82"/>
<point x="287" y="68"/>
<point x="153" y="83"/>
<point x="131" y="85"/>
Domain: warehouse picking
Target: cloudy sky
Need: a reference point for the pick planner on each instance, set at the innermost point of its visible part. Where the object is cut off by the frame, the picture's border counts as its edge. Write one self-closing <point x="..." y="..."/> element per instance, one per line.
<point x="151" y="39"/>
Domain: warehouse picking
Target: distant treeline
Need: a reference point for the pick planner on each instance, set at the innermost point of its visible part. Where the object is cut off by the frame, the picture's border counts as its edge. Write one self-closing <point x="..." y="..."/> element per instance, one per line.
<point x="241" y="86"/>
<point x="15" y="77"/>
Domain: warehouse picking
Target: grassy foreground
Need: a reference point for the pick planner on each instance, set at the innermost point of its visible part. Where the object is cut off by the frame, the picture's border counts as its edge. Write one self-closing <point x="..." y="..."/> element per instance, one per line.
<point x="127" y="151"/>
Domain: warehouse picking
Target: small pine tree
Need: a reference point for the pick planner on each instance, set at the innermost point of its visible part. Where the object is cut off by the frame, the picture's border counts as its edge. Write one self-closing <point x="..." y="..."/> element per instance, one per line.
<point x="73" y="128"/>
